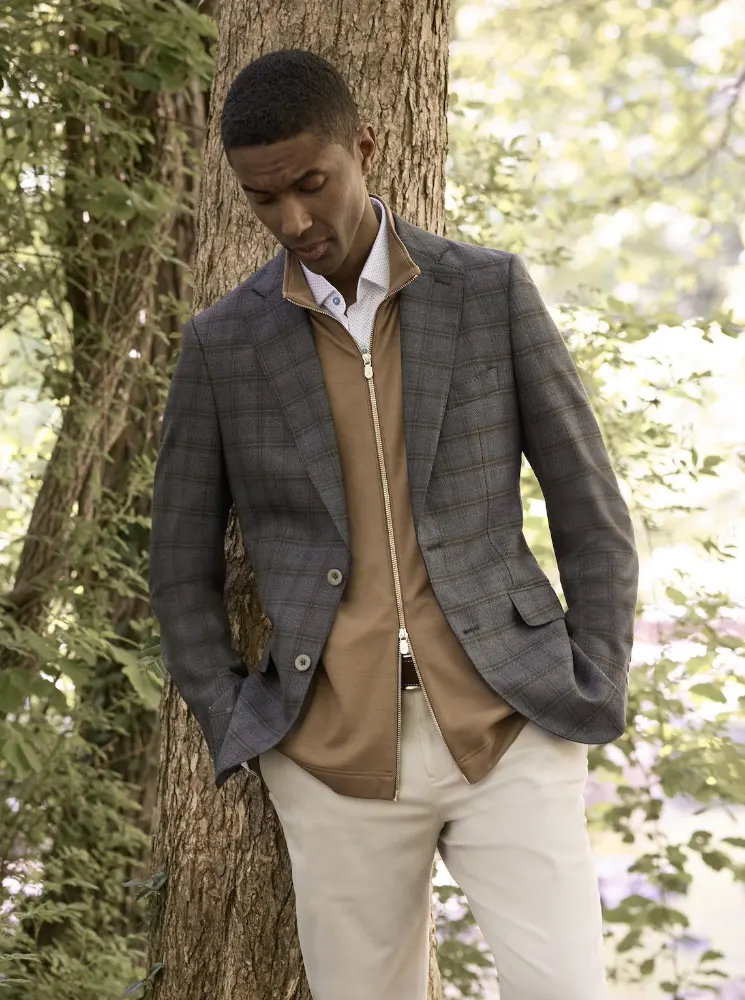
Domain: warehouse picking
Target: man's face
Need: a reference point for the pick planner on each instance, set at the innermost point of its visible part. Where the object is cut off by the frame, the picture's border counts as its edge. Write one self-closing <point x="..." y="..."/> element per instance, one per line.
<point x="310" y="195"/>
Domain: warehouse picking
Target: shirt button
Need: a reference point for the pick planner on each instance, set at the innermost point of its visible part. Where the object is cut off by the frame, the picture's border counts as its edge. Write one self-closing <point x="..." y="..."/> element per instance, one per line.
<point x="334" y="577"/>
<point x="337" y="301"/>
<point x="302" y="662"/>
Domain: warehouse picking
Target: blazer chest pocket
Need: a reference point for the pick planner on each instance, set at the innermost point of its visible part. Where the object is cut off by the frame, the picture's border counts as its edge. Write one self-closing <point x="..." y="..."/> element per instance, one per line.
<point x="482" y="384"/>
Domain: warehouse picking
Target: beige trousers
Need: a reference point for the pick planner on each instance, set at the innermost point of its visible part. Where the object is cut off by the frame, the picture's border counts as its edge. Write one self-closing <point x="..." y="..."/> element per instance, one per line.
<point x="516" y="843"/>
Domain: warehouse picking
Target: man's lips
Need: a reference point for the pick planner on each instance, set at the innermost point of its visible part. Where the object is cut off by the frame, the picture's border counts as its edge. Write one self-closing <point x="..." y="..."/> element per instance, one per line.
<point x="313" y="251"/>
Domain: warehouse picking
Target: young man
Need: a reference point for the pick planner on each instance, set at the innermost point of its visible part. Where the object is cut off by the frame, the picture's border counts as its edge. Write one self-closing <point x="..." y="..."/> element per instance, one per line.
<point x="365" y="400"/>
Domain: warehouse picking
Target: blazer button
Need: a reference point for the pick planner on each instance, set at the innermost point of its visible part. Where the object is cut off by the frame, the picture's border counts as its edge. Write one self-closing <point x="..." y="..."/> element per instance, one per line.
<point x="302" y="662"/>
<point x="334" y="577"/>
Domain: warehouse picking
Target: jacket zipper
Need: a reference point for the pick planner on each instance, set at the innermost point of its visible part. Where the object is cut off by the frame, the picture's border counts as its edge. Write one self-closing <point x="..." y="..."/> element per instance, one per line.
<point x="404" y="644"/>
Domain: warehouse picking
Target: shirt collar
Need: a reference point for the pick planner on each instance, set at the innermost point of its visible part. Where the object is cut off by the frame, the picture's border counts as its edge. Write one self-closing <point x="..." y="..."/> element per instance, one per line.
<point x="377" y="269"/>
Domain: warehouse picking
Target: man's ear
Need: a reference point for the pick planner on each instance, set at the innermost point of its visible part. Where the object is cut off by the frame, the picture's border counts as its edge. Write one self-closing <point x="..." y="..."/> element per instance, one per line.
<point x="367" y="145"/>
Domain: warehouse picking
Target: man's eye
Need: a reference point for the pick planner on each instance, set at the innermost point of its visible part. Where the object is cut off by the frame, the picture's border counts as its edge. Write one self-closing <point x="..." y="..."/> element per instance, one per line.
<point x="313" y="190"/>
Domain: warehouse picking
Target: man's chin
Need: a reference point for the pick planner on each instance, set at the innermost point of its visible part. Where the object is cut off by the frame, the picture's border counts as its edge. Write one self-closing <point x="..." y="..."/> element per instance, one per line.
<point x="324" y="267"/>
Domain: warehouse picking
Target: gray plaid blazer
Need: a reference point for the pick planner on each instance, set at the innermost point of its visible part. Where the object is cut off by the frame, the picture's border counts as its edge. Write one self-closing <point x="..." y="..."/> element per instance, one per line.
<point x="486" y="378"/>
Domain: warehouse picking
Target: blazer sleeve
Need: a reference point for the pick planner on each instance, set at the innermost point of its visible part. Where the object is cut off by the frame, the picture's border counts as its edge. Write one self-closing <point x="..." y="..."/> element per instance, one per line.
<point x="191" y="503"/>
<point x="591" y="529"/>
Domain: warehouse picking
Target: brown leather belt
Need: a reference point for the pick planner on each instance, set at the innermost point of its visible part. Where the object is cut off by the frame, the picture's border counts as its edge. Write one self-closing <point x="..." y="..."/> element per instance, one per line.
<point x="409" y="678"/>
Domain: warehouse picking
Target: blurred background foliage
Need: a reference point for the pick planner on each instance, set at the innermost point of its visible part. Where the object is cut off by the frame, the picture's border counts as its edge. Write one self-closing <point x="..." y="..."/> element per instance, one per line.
<point x="601" y="139"/>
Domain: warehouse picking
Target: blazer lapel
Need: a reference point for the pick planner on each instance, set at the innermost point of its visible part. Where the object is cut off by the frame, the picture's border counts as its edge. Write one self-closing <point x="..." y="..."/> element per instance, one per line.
<point x="284" y="345"/>
<point x="430" y="312"/>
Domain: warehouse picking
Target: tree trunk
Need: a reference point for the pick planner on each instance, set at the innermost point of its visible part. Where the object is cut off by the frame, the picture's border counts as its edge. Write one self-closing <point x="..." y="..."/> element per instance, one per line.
<point x="224" y="927"/>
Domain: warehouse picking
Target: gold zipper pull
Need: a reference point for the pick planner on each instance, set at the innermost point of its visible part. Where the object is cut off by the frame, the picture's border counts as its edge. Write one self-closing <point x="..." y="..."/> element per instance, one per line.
<point x="403" y="642"/>
<point x="366" y="357"/>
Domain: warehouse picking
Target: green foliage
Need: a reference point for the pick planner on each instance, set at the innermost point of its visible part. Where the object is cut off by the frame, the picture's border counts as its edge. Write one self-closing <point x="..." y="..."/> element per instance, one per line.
<point x="145" y="986"/>
<point x="617" y="112"/>
<point x="603" y="141"/>
<point x="94" y="166"/>
<point x="461" y="958"/>
<point x="72" y="939"/>
<point x="671" y="751"/>
<point x="149" y="887"/>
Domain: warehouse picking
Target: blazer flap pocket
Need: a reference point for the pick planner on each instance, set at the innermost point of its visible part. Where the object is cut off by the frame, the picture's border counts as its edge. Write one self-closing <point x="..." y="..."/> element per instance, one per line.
<point x="479" y="384"/>
<point x="537" y="605"/>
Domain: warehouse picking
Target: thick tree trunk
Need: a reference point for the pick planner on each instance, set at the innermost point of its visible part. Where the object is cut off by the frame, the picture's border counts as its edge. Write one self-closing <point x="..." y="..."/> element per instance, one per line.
<point x="224" y="927"/>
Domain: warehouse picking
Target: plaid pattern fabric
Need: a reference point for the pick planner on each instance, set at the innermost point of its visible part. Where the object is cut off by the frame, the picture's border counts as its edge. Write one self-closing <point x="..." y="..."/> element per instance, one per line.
<point x="486" y="377"/>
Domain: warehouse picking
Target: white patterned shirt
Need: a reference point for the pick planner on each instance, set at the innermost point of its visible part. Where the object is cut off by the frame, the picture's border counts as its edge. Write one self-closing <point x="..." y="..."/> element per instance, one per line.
<point x="373" y="286"/>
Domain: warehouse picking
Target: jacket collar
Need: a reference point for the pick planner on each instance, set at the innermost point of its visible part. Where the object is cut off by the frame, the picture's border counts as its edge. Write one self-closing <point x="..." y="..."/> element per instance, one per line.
<point x="402" y="269"/>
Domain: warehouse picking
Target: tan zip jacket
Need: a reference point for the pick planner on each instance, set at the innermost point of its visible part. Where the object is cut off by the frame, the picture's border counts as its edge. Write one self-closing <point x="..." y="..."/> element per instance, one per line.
<point x="348" y="735"/>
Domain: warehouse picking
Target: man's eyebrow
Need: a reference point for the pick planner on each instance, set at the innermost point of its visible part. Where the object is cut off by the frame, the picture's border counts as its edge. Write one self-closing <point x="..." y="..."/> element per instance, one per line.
<point x="299" y="180"/>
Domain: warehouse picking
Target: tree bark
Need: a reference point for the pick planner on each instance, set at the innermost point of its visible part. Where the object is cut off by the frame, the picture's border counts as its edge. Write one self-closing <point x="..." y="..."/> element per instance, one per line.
<point x="224" y="927"/>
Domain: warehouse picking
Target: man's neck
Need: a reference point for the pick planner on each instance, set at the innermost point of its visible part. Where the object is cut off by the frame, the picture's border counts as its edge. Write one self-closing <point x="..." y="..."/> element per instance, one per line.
<point x="346" y="279"/>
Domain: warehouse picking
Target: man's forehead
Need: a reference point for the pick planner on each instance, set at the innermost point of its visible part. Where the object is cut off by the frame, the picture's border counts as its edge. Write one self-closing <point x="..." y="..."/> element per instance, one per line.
<point x="286" y="161"/>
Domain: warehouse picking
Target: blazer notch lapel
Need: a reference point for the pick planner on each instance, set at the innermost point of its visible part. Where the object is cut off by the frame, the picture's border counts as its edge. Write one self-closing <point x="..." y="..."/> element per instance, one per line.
<point x="287" y="354"/>
<point x="430" y="316"/>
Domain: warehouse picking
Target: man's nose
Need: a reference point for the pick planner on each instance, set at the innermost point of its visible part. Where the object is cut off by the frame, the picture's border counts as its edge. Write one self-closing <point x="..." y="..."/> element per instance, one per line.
<point x="295" y="220"/>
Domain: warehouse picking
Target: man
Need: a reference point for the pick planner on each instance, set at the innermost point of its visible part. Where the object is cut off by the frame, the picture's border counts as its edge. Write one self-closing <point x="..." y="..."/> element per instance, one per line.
<point x="364" y="401"/>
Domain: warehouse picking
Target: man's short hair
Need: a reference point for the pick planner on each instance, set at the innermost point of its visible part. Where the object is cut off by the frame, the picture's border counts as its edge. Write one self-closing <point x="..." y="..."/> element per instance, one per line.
<point x="284" y="93"/>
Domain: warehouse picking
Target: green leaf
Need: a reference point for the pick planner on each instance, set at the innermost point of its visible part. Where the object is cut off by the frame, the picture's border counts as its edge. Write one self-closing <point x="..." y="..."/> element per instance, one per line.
<point x="697" y="664"/>
<point x="709" y="691"/>
<point x="158" y="880"/>
<point x="77" y="670"/>
<point x="148" y="687"/>
<point x="699" y="839"/>
<point x="34" y="762"/>
<point x="735" y="841"/>
<point x="13" y="693"/>
<point x="677" y="857"/>
<point x="155" y="971"/>
<point x="141" y="80"/>
<point x="647" y="967"/>
<point x="43" y="648"/>
<point x="12" y="753"/>
<point x="717" y="860"/>
<point x="676" y="596"/>
<point x="149" y="888"/>
<point x="644" y="865"/>
<point x="629" y="941"/>
<point x="665" y="916"/>
<point x="20" y="753"/>
<point x="711" y="956"/>
<point x="127" y="657"/>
